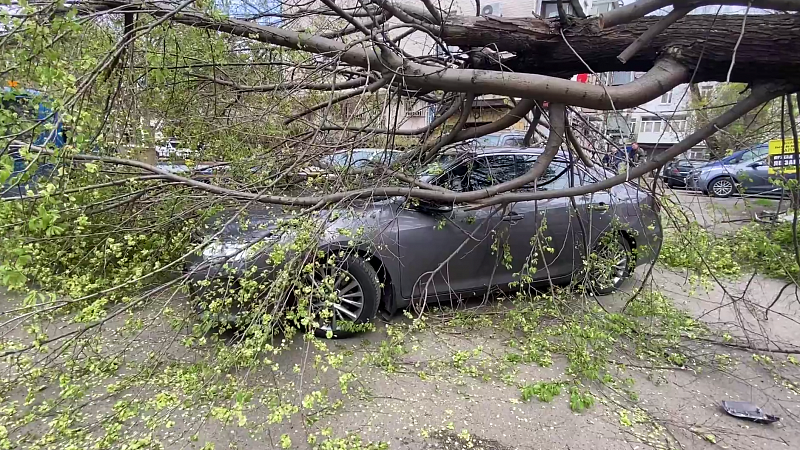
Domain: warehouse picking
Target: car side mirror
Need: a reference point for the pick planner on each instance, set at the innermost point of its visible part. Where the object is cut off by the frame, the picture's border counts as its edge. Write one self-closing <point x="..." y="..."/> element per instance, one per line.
<point x="757" y="164"/>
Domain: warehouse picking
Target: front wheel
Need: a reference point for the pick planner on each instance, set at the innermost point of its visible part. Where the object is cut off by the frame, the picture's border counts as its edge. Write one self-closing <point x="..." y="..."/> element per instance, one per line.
<point x="722" y="187"/>
<point x="345" y="295"/>
<point x="610" y="264"/>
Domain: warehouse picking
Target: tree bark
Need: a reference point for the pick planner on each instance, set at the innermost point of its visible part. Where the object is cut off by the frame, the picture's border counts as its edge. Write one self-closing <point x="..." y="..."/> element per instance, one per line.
<point x="768" y="49"/>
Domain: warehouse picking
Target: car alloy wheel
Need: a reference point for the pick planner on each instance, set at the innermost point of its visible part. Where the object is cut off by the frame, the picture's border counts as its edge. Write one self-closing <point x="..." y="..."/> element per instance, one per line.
<point x="346" y="294"/>
<point x="722" y="187"/>
<point x="612" y="264"/>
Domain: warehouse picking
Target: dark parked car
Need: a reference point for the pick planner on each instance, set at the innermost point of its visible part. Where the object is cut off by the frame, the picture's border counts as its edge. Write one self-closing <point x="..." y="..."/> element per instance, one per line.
<point x="403" y="241"/>
<point x="676" y="172"/>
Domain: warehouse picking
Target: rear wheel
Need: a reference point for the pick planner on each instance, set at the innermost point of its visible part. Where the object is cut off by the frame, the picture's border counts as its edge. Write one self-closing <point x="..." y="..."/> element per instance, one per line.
<point x="609" y="264"/>
<point x="722" y="187"/>
<point x="343" y="296"/>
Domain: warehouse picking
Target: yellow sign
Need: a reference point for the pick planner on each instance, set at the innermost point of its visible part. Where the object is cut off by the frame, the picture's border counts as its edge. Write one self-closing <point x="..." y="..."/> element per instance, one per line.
<point x="782" y="156"/>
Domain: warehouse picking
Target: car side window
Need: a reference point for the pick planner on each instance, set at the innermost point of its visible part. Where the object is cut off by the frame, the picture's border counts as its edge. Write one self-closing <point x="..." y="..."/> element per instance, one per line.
<point x="555" y="177"/>
<point x="513" y="141"/>
<point x="490" y="170"/>
<point x="456" y="179"/>
<point x="479" y="173"/>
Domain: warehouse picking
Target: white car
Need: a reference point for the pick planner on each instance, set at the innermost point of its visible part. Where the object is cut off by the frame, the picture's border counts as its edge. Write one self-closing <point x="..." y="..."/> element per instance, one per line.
<point x="172" y="148"/>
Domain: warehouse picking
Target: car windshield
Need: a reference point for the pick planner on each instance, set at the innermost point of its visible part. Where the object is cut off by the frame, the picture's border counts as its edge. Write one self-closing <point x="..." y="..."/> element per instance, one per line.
<point x="387" y="157"/>
<point x="342" y="159"/>
<point x="438" y="167"/>
<point x="745" y="156"/>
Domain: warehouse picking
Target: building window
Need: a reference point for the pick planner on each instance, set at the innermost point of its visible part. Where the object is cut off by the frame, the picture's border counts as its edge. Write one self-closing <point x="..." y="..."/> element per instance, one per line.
<point x="550" y="8"/>
<point x="666" y="98"/>
<point x="650" y="125"/>
<point x="618" y="78"/>
<point x="698" y="153"/>
<point x="706" y="91"/>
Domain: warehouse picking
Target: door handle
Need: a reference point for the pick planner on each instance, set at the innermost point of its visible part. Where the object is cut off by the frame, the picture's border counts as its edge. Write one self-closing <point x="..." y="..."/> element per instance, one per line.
<point x="599" y="206"/>
<point x="513" y="217"/>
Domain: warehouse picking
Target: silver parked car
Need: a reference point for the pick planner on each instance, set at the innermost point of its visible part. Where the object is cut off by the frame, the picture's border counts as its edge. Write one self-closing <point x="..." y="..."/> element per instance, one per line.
<point x="745" y="170"/>
<point x="411" y="249"/>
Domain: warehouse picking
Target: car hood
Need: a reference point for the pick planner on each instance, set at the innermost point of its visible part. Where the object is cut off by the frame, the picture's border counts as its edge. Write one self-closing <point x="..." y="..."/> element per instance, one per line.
<point x="263" y="222"/>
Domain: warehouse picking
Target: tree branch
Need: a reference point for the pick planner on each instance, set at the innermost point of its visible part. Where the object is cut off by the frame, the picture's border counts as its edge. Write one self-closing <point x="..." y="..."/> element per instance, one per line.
<point x="372" y="87"/>
<point x="466" y="109"/>
<point x="401" y="132"/>
<point x="576" y="147"/>
<point x="380" y="19"/>
<point x="346" y="16"/>
<point x="434" y="12"/>
<point x="655" y="30"/>
<point x="349" y="84"/>
<point x="640" y="8"/>
<point x="665" y="74"/>
<point x="516" y="114"/>
<point x="537" y="114"/>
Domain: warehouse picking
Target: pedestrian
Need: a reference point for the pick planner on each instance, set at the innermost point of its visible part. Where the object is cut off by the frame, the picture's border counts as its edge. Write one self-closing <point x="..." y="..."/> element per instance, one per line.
<point x="635" y="154"/>
<point x="621" y="160"/>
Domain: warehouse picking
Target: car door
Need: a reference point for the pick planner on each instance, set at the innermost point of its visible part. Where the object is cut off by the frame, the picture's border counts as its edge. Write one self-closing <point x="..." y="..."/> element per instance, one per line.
<point x="754" y="176"/>
<point x="597" y="210"/>
<point x="538" y="235"/>
<point x="442" y="249"/>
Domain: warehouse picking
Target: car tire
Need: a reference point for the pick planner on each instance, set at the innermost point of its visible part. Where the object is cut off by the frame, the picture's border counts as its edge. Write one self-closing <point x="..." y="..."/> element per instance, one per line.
<point x="605" y="280"/>
<point x="358" y="276"/>
<point x="722" y="187"/>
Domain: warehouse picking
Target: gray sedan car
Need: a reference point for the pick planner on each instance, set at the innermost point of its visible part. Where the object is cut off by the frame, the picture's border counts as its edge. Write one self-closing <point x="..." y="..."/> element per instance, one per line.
<point x="745" y="171"/>
<point x="393" y="251"/>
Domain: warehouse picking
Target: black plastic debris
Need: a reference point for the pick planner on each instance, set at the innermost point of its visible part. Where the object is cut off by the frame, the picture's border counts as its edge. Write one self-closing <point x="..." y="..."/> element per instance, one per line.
<point x="748" y="411"/>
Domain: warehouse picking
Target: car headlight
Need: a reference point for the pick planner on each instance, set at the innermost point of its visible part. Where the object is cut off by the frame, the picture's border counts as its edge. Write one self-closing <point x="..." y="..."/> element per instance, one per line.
<point x="232" y="251"/>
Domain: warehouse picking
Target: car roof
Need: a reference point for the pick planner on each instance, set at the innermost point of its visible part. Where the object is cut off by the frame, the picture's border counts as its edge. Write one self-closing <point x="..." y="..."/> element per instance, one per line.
<point x="488" y="151"/>
<point x="504" y="133"/>
<point x="376" y="150"/>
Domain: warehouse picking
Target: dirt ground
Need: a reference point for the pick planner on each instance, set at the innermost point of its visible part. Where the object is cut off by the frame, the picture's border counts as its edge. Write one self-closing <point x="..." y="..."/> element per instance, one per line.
<point x="674" y="407"/>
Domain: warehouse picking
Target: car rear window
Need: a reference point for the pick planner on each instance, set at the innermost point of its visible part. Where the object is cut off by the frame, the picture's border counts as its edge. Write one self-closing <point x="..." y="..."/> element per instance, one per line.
<point x="488" y="141"/>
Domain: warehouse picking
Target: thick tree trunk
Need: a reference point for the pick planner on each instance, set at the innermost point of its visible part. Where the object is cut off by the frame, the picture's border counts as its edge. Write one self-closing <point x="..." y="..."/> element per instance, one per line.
<point x="767" y="50"/>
